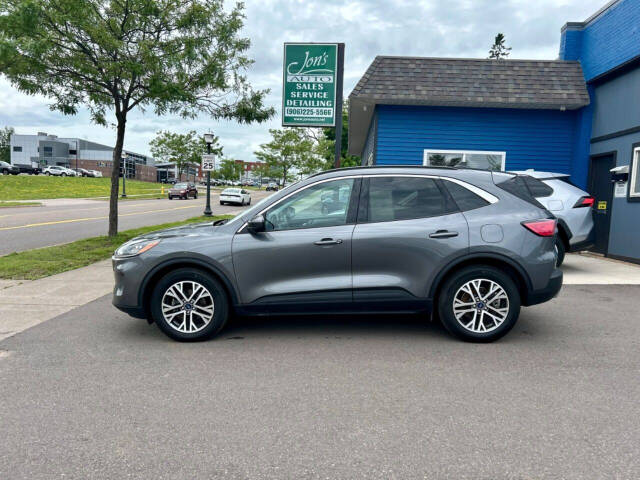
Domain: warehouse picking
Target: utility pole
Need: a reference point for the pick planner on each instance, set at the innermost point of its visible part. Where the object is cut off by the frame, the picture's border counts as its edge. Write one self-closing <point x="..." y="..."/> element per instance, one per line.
<point x="339" y="82"/>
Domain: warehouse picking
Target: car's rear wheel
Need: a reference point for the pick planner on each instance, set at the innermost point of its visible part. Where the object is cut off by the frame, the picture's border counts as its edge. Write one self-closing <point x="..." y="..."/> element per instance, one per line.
<point x="48" y="174"/>
<point x="560" y="251"/>
<point x="189" y="305"/>
<point x="63" y="175"/>
<point x="479" y="303"/>
<point x="5" y="172"/>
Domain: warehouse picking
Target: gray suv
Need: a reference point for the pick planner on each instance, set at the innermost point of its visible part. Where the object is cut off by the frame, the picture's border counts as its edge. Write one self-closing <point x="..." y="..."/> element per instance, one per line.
<point x="470" y="247"/>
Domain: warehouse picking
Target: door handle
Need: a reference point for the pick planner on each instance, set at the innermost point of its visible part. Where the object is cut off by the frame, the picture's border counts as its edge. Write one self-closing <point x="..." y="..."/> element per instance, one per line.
<point x="328" y="241"/>
<point x="443" y="234"/>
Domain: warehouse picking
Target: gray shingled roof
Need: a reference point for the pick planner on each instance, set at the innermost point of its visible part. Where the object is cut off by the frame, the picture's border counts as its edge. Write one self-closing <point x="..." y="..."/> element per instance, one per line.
<point x="461" y="82"/>
<point x="475" y="82"/>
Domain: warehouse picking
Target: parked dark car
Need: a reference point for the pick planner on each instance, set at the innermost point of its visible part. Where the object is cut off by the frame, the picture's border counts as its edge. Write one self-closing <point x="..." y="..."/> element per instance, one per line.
<point x="7" y="168"/>
<point x="28" y="169"/>
<point x="463" y="245"/>
<point x="183" y="190"/>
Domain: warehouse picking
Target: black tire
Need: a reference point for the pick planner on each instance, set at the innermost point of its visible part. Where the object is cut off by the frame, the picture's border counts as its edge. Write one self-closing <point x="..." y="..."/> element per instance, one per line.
<point x="222" y="203"/>
<point x="63" y="175"/>
<point x="455" y="281"/>
<point x="48" y="174"/>
<point x="5" y="172"/>
<point x="221" y="304"/>
<point x="170" y="197"/>
<point x="249" y="202"/>
<point x="195" y="197"/>
<point x="560" y="251"/>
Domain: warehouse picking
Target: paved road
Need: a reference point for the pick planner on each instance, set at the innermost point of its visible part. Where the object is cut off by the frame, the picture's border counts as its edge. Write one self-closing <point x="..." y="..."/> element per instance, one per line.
<point x="63" y="221"/>
<point x="95" y="394"/>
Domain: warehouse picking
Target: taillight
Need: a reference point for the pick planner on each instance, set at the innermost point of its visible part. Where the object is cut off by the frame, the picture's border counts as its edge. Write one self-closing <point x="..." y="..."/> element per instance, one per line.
<point x="542" y="228"/>
<point x="584" y="202"/>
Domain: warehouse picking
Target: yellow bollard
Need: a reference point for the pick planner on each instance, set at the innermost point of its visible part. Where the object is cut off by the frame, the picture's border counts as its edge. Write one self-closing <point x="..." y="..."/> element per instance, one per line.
<point x="162" y="189"/>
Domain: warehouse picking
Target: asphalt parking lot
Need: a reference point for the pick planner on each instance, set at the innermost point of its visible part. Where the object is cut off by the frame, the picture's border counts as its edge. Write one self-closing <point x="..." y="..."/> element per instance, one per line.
<point x="95" y="394"/>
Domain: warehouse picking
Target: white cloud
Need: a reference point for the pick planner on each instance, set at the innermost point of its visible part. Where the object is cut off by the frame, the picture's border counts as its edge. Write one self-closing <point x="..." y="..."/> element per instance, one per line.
<point x="456" y="28"/>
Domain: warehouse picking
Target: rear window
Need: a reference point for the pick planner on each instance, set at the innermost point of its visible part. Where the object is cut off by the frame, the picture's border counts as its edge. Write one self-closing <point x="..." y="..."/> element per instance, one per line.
<point x="536" y="187"/>
<point x="389" y="199"/>
<point x="464" y="198"/>
<point x="516" y="186"/>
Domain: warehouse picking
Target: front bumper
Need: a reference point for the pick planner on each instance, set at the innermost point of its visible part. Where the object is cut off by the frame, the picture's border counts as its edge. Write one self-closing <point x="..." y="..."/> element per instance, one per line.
<point x="128" y="274"/>
<point x="545" y="294"/>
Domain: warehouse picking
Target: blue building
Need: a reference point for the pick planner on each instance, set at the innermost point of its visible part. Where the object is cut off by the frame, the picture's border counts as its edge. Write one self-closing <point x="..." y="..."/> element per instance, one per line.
<point x="579" y="114"/>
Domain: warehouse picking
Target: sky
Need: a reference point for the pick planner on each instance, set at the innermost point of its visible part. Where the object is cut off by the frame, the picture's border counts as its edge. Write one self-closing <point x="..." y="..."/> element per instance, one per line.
<point x="429" y="28"/>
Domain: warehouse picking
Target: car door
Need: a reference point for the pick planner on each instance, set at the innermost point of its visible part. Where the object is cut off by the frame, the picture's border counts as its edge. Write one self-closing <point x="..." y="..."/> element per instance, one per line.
<point x="304" y="256"/>
<point x="408" y="228"/>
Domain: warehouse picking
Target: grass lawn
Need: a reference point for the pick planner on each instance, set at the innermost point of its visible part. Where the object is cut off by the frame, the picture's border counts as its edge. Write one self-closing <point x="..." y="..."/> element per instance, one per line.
<point x="42" y="262"/>
<point x="19" y="204"/>
<point x="35" y="187"/>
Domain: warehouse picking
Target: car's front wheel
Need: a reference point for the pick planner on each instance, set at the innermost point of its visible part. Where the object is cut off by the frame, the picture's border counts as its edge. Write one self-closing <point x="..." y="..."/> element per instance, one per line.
<point x="189" y="305"/>
<point x="479" y="303"/>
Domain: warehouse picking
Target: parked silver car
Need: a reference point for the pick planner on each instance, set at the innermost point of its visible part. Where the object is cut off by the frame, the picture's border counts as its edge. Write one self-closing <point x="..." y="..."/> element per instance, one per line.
<point x="469" y="246"/>
<point x="571" y="205"/>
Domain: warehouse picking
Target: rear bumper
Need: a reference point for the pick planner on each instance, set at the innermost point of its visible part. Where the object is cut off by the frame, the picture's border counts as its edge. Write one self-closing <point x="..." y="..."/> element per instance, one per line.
<point x="545" y="294"/>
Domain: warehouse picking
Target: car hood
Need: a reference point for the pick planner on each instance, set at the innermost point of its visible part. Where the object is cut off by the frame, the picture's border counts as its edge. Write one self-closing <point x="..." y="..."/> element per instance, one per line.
<point x="193" y="230"/>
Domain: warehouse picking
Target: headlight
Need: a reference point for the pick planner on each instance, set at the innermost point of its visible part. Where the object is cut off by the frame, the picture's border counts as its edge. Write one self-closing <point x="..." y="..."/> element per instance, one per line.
<point x="135" y="247"/>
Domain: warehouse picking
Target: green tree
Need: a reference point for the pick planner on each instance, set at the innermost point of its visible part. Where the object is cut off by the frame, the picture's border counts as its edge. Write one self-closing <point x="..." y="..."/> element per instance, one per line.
<point x="230" y="169"/>
<point x="181" y="57"/>
<point x="182" y="149"/>
<point x="289" y="149"/>
<point x="5" y="148"/>
<point x="326" y="144"/>
<point x="499" y="49"/>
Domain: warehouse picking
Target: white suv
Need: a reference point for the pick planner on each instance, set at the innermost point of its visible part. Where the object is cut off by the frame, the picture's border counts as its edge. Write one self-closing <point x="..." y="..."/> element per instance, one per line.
<point x="571" y="205"/>
<point x="59" y="171"/>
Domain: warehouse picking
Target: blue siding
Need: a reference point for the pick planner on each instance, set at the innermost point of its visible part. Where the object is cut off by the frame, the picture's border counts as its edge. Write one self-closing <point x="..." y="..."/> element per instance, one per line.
<point x="571" y="43"/>
<point x="540" y="139"/>
<point x="609" y="40"/>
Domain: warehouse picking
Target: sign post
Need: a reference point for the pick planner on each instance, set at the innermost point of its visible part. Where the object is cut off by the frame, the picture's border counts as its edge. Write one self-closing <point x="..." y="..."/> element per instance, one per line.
<point x="208" y="164"/>
<point x="312" y="87"/>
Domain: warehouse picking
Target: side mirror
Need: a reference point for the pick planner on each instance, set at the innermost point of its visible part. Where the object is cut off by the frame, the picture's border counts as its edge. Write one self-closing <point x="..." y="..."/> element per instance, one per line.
<point x="256" y="224"/>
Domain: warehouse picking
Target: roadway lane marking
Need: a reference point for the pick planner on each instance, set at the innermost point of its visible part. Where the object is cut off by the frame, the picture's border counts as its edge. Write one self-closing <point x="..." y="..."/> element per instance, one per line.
<point x="69" y="209"/>
<point x="72" y="220"/>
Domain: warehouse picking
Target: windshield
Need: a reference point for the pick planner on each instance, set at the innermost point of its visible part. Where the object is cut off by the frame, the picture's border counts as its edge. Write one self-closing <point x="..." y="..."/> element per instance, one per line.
<point x="181" y="185"/>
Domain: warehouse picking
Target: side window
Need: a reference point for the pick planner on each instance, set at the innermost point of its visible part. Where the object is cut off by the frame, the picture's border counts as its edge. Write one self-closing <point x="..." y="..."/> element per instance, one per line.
<point x="537" y="188"/>
<point x="322" y="205"/>
<point x="403" y="198"/>
<point x="464" y="198"/>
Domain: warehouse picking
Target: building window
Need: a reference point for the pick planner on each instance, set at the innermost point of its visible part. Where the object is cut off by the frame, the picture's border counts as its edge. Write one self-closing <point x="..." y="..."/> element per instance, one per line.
<point x="17" y="149"/>
<point x="465" y="158"/>
<point x="634" y="181"/>
<point x="72" y="151"/>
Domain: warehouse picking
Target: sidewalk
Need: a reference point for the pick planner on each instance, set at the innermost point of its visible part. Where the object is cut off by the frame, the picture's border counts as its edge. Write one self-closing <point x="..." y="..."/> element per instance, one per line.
<point x="24" y="303"/>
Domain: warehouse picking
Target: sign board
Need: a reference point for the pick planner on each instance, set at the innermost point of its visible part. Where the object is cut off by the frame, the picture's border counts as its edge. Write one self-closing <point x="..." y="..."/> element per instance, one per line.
<point x="620" y="190"/>
<point x="208" y="163"/>
<point x="309" y="84"/>
<point x="602" y="205"/>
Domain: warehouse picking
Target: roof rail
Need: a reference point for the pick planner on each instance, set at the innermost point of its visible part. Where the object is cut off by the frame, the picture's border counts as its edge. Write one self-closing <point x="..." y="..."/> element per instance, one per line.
<point x="342" y="169"/>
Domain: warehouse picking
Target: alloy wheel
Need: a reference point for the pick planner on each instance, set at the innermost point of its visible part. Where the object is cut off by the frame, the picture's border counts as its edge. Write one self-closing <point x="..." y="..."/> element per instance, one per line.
<point x="481" y="305"/>
<point x="187" y="306"/>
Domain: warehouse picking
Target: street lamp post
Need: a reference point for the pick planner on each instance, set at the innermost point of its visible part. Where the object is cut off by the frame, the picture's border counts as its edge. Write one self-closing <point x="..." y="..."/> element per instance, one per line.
<point x="208" y="139"/>
<point x="124" y="174"/>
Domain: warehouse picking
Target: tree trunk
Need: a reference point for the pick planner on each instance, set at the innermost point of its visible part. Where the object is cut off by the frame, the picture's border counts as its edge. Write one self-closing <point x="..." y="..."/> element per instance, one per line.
<point x="115" y="177"/>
